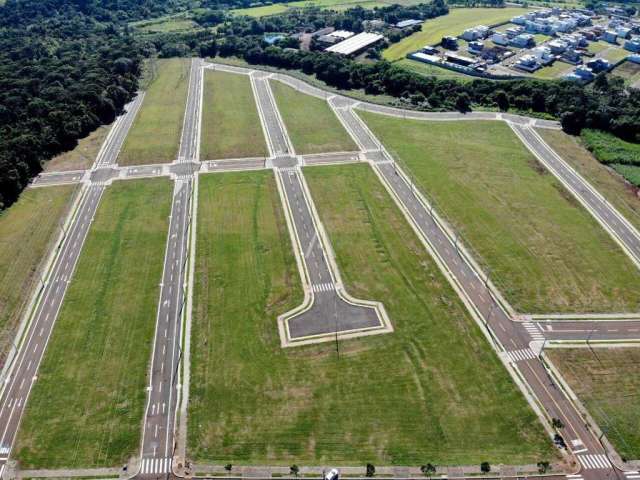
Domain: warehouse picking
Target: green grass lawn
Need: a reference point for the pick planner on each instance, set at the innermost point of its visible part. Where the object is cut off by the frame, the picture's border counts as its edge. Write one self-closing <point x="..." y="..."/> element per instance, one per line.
<point x="27" y="230"/>
<point x="86" y="407"/>
<point x="155" y="134"/>
<point x="81" y="157"/>
<point x="544" y="251"/>
<point x="555" y="70"/>
<point x="454" y="24"/>
<point x="630" y="172"/>
<point x="230" y="123"/>
<point x="608" y="384"/>
<point x="432" y="70"/>
<point x="339" y="5"/>
<point x="312" y="125"/>
<point x="609" y="184"/>
<point x="629" y="72"/>
<point x="431" y="391"/>
<point x="598" y="46"/>
<point x="615" y="54"/>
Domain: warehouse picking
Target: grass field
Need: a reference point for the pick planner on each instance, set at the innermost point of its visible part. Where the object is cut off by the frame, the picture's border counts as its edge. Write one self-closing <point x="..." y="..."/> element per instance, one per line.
<point x="230" y="123"/>
<point x="615" y="54"/>
<point x="432" y="70"/>
<point x="169" y="24"/>
<point x="27" y="230"/>
<point x="608" y="384"/>
<point x="609" y="184"/>
<point x="81" y="157"/>
<point x="87" y="406"/>
<point x="598" y="46"/>
<point x="629" y="72"/>
<point x="155" y="134"/>
<point x="454" y="23"/>
<point x="630" y="172"/>
<point x="276" y="8"/>
<point x="556" y="70"/>
<point x="544" y="251"/>
<point x="431" y="391"/>
<point x="312" y="125"/>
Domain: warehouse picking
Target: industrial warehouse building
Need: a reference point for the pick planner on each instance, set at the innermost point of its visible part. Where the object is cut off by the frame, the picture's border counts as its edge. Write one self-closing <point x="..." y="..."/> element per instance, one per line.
<point x="355" y="44"/>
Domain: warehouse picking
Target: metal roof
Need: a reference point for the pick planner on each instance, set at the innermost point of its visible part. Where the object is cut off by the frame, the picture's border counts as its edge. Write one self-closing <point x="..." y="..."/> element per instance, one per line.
<point x="355" y="43"/>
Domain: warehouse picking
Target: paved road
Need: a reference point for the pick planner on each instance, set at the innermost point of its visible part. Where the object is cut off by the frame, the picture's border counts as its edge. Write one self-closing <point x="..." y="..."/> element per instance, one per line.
<point x="158" y="433"/>
<point x="590" y="330"/>
<point x="278" y="143"/>
<point x="329" y="311"/>
<point x="158" y="437"/>
<point x="601" y="209"/>
<point x="514" y="339"/>
<point x="385" y="110"/>
<point x="112" y="145"/>
<point x="23" y="372"/>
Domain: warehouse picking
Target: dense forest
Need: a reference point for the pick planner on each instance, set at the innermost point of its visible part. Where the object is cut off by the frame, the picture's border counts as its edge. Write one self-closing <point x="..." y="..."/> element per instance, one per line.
<point x="62" y="74"/>
<point x="68" y="66"/>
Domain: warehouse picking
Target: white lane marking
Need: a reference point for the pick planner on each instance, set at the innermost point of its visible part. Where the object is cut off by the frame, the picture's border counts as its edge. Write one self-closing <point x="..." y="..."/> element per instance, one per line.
<point x="521" y="355"/>
<point x="594" y="461"/>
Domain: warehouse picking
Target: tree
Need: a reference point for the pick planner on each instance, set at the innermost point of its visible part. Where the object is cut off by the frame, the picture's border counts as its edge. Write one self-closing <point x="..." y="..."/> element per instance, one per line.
<point x="294" y="470"/>
<point x="485" y="467"/>
<point x="543" y="467"/>
<point x="557" y="423"/>
<point x="228" y="467"/>
<point x="463" y="103"/>
<point x="502" y="100"/>
<point x="371" y="470"/>
<point x="428" y="469"/>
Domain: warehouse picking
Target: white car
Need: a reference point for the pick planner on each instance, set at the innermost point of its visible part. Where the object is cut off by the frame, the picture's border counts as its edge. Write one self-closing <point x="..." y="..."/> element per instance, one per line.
<point x="332" y="474"/>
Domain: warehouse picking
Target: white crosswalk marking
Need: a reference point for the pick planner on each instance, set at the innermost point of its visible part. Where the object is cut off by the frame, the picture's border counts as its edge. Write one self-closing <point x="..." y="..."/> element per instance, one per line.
<point x="534" y="331"/>
<point x="632" y="475"/>
<point x="594" y="462"/>
<point x="521" y="355"/>
<point x="289" y="169"/>
<point x="4" y="450"/>
<point x="323" y="287"/>
<point x="156" y="465"/>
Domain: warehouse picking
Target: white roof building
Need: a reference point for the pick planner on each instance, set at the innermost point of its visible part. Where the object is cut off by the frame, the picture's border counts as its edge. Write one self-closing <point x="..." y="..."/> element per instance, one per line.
<point x="343" y="34"/>
<point x="355" y="44"/>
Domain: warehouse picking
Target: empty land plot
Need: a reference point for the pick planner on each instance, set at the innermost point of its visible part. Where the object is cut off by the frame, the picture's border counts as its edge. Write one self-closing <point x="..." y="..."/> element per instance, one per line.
<point x="604" y="180"/>
<point x="310" y="122"/>
<point x="629" y="72"/>
<point x="543" y="250"/>
<point x="87" y="405"/>
<point x="608" y="384"/>
<point x="432" y="389"/>
<point x="27" y="231"/>
<point x="230" y="123"/>
<point x="454" y="23"/>
<point x="81" y="157"/>
<point x="155" y="134"/>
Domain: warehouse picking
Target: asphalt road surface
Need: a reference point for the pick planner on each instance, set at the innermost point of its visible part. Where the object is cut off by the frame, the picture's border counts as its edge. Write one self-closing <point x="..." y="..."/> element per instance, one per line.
<point x="23" y="372"/>
<point x="329" y="312"/>
<point x="158" y="437"/>
<point x="277" y="140"/>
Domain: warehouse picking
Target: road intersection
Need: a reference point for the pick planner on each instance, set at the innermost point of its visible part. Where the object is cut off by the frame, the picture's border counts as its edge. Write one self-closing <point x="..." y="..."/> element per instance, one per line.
<point x="328" y="309"/>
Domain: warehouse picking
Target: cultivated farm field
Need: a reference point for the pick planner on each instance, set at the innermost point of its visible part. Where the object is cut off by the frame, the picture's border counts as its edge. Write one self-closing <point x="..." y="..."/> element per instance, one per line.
<point x="543" y="250"/>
